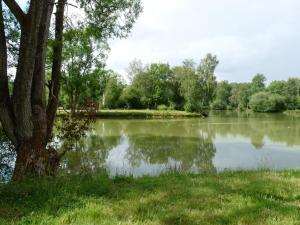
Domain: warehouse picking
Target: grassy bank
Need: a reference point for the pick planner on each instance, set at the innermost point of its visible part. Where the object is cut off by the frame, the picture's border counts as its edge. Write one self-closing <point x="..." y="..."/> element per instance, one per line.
<point x="142" y="114"/>
<point x="295" y="113"/>
<point x="260" y="197"/>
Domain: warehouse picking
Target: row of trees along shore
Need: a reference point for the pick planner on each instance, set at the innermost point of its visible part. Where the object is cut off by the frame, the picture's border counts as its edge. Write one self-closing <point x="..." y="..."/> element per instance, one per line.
<point x="188" y="87"/>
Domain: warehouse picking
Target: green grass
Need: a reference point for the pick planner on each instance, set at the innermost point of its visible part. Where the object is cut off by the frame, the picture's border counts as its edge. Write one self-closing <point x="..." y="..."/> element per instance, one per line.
<point x="142" y="114"/>
<point x="294" y="113"/>
<point x="258" y="197"/>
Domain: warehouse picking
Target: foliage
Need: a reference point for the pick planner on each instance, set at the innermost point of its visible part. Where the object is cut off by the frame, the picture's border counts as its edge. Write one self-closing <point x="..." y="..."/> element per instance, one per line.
<point x="83" y="78"/>
<point x="223" y="94"/>
<point x="130" y="99"/>
<point x="107" y="19"/>
<point x="277" y="87"/>
<point x="135" y="67"/>
<point x="194" y="88"/>
<point x="112" y="93"/>
<point x="266" y="102"/>
<point x="154" y="85"/>
<point x="162" y="107"/>
<point x="189" y="86"/>
<point x="240" y="95"/>
<point x="258" y="83"/>
<point x="218" y="104"/>
<point x="206" y="73"/>
<point x="292" y="93"/>
<point x="180" y="73"/>
<point x="177" y="88"/>
<point x="85" y="48"/>
<point x="71" y="127"/>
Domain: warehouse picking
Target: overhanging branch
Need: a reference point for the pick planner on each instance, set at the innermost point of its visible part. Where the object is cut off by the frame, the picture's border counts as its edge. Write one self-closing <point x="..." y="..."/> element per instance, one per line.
<point x="16" y="10"/>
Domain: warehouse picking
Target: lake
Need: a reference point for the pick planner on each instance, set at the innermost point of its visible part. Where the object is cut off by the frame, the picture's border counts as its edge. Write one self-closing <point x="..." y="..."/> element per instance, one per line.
<point x="223" y="141"/>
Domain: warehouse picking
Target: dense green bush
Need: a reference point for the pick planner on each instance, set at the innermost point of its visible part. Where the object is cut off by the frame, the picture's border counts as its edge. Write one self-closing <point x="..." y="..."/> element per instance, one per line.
<point x="298" y="103"/>
<point x="192" y="107"/>
<point x="172" y="106"/>
<point x="267" y="102"/>
<point x="292" y="102"/>
<point x="218" y="105"/>
<point x="162" y="107"/>
<point x="112" y="93"/>
<point x="130" y="98"/>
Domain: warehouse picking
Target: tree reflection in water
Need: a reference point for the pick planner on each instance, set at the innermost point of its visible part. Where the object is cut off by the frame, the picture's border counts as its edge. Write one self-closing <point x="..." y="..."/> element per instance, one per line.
<point x="278" y="128"/>
<point x="192" y="154"/>
<point x="148" y="144"/>
<point x="187" y="143"/>
<point x="92" y="151"/>
<point x="159" y="141"/>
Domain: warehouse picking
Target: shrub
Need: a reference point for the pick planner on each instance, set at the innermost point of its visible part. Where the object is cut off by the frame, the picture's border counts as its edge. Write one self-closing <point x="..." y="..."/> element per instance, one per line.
<point x="172" y="106"/>
<point x="130" y="98"/>
<point x="162" y="107"/>
<point x="218" y="105"/>
<point x="267" y="102"/>
<point x="189" y="107"/>
<point x="298" y="103"/>
<point x="112" y="93"/>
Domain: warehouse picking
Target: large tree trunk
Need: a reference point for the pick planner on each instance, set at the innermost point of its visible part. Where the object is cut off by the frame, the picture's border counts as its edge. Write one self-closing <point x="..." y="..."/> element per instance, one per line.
<point x="24" y="115"/>
<point x="34" y="159"/>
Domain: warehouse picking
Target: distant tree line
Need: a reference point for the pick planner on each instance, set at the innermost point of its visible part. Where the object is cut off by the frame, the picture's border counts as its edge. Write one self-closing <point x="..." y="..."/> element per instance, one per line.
<point x="188" y="87"/>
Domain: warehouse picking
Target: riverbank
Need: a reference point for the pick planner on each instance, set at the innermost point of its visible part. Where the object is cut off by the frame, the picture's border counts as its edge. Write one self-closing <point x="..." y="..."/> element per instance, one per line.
<point x="257" y="197"/>
<point x="142" y="114"/>
<point x="294" y="113"/>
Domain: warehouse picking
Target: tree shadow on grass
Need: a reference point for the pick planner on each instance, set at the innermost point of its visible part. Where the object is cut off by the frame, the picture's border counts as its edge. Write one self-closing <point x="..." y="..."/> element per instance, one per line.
<point x="51" y="196"/>
<point x="229" y="198"/>
<point x="248" y="198"/>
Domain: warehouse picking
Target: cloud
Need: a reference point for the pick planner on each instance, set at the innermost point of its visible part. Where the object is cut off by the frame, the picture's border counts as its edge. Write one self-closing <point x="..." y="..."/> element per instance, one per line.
<point x="247" y="36"/>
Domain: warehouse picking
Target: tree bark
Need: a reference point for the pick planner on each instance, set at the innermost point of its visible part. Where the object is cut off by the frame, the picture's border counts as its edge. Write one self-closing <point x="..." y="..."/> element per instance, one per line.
<point x="24" y="115"/>
<point x="33" y="159"/>
<point x="22" y="107"/>
<point x="53" y="99"/>
<point x="38" y="99"/>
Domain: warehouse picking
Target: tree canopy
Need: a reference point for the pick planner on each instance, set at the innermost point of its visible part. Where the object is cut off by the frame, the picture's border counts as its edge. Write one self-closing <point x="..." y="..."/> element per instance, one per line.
<point x="194" y="88"/>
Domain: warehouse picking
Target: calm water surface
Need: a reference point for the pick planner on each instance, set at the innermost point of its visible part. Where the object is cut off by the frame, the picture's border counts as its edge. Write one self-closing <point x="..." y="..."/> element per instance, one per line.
<point x="219" y="142"/>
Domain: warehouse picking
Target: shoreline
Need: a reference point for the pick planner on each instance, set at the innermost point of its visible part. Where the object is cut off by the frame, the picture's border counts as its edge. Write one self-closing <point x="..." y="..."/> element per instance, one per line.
<point x="165" y="114"/>
<point x="293" y="113"/>
<point x="148" y="114"/>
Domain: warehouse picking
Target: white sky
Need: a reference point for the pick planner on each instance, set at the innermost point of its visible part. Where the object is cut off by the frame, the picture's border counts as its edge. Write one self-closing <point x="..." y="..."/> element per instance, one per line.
<point x="248" y="36"/>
